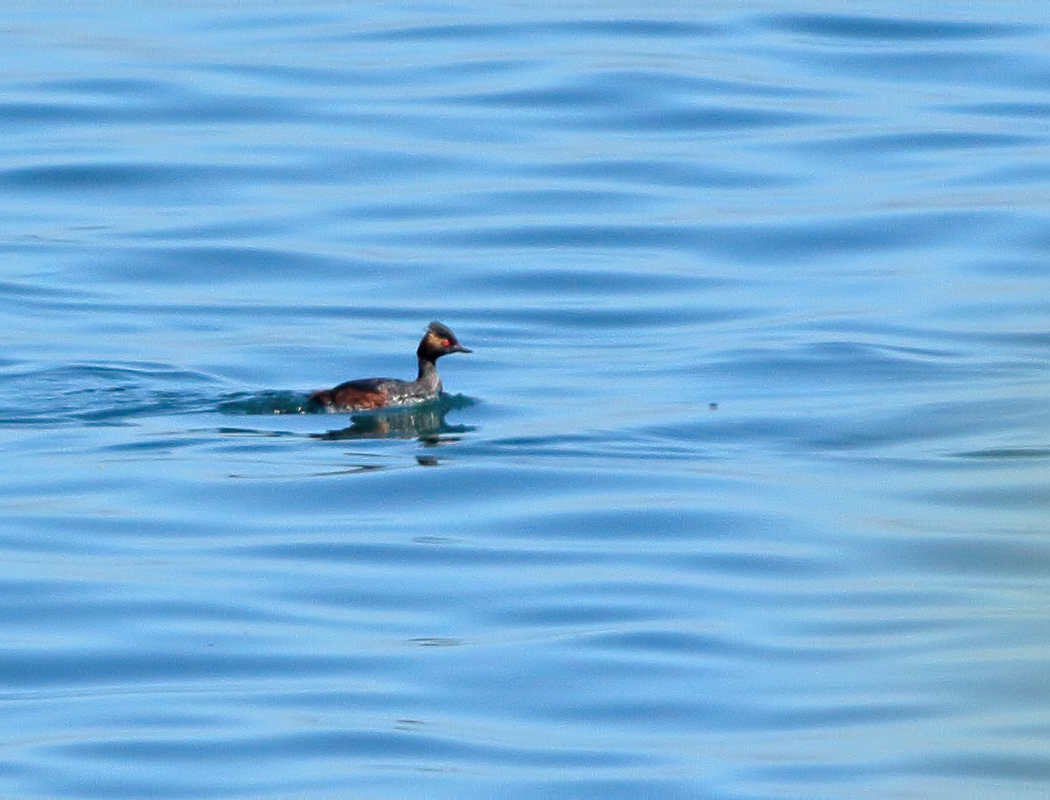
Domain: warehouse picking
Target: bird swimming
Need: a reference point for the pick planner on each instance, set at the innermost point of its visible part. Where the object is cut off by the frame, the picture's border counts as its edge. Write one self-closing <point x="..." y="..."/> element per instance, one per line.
<point x="371" y="393"/>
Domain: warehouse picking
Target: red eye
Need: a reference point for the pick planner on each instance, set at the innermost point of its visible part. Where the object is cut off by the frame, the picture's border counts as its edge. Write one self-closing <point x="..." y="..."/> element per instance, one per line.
<point x="446" y="342"/>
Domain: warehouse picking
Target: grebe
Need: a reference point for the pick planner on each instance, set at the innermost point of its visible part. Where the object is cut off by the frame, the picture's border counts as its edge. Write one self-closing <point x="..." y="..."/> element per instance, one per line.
<point x="370" y="393"/>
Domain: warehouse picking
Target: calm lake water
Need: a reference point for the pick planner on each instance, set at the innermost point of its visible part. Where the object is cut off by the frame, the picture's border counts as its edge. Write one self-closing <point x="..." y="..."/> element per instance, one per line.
<point x="743" y="493"/>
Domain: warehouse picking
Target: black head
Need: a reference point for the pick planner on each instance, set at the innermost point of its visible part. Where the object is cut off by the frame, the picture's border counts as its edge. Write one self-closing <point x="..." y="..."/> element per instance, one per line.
<point x="439" y="341"/>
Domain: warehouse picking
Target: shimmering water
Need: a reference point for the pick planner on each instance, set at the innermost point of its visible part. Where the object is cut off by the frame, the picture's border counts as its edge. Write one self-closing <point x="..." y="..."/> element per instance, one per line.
<point x="743" y="493"/>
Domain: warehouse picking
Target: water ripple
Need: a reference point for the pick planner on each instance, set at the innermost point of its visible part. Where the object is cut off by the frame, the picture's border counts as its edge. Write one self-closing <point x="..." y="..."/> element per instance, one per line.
<point x="741" y="493"/>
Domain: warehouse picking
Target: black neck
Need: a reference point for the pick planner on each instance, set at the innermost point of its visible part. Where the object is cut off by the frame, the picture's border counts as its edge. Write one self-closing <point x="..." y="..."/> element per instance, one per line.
<point x="428" y="374"/>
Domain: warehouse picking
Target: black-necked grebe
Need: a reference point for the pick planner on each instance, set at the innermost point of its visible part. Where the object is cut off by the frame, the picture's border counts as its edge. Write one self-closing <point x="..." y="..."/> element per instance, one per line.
<point x="382" y="392"/>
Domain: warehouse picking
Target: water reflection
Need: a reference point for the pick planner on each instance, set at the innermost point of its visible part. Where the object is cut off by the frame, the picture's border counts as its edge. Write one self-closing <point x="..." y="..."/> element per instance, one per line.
<point x="426" y="423"/>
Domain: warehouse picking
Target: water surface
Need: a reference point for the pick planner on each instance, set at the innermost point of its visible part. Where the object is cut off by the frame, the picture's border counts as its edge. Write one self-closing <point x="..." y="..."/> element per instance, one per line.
<point x="742" y="494"/>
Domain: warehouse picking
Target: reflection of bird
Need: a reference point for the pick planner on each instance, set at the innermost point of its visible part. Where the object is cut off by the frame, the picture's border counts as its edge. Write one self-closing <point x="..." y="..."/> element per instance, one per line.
<point x="425" y="423"/>
<point x="383" y="392"/>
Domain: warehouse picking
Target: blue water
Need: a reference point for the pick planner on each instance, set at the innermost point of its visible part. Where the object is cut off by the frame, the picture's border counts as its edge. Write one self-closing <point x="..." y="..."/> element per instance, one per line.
<point x="743" y="493"/>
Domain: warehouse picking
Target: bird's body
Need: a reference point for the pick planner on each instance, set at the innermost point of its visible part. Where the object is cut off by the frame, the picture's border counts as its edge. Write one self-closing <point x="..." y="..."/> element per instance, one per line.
<point x="371" y="393"/>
